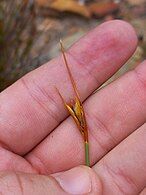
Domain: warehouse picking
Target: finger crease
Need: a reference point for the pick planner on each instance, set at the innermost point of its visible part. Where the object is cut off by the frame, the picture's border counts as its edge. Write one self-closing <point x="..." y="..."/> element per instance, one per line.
<point x="38" y="164"/>
<point x="99" y="125"/>
<point x="51" y="113"/>
<point x="118" y="175"/>
<point x="19" y="182"/>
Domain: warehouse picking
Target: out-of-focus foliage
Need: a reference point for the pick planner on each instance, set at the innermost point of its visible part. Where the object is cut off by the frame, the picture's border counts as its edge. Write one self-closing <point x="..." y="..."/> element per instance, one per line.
<point x="17" y="32"/>
<point x="94" y="9"/>
<point x="31" y="29"/>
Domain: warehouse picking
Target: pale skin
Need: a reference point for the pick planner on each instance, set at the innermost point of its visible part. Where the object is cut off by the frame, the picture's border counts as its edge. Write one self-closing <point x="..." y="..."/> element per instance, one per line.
<point x="38" y="138"/>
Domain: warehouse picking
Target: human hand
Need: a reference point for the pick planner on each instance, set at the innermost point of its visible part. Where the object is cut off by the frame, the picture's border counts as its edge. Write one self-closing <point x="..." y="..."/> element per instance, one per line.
<point x="39" y="139"/>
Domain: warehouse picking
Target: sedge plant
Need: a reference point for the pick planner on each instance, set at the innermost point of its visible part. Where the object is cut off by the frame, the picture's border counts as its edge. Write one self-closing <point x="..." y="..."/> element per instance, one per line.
<point x="76" y="110"/>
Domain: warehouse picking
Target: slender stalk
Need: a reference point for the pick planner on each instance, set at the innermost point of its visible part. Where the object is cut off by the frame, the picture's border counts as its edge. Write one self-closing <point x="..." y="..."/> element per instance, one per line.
<point x="87" y="160"/>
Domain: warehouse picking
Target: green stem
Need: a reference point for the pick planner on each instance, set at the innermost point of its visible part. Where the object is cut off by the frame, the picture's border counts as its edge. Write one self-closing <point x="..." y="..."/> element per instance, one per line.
<point x="87" y="161"/>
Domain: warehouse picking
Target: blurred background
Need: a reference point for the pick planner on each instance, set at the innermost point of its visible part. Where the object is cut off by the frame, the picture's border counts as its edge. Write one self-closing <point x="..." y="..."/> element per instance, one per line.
<point x="30" y="30"/>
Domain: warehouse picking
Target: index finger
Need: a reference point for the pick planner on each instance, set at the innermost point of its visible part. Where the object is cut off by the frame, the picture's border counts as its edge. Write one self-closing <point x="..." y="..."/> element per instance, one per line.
<point x="31" y="108"/>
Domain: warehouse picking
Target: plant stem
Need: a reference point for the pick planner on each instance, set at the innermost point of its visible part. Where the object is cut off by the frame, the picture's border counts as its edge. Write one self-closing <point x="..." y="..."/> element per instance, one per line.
<point x="87" y="161"/>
